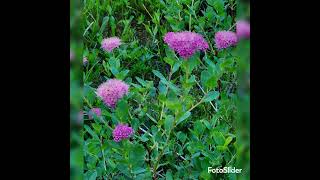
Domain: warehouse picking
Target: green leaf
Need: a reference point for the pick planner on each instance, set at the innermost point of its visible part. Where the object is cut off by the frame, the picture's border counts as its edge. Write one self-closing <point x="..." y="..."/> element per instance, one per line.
<point x="228" y="140"/>
<point x="113" y="25"/>
<point x="212" y="95"/>
<point x="141" y="81"/>
<point x="218" y="6"/>
<point x="169" y="175"/>
<point x="169" y="61"/>
<point x="168" y="123"/>
<point x="136" y="155"/>
<point x="184" y="117"/>
<point x="91" y="175"/>
<point x="199" y="128"/>
<point x="149" y="116"/>
<point x="159" y="75"/>
<point x="218" y="138"/>
<point x="176" y="66"/>
<point x="207" y="124"/>
<point x="122" y="110"/>
<point x="104" y="24"/>
<point x="181" y="136"/>
<point x="209" y="79"/>
<point x="122" y="74"/>
<point x="191" y="63"/>
<point x="89" y="130"/>
<point x="164" y="80"/>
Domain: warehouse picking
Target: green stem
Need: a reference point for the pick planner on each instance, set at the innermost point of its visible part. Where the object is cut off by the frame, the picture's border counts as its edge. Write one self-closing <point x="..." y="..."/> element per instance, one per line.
<point x="104" y="159"/>
<point x="167" y="88"/>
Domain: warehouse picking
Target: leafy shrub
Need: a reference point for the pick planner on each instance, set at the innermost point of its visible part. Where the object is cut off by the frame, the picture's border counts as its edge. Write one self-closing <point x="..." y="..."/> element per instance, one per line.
<point x="182" y="111"/>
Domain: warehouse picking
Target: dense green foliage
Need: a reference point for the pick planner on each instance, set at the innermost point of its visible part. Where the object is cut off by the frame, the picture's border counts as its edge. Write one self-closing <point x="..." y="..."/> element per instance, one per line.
<point x="183" y="111"/>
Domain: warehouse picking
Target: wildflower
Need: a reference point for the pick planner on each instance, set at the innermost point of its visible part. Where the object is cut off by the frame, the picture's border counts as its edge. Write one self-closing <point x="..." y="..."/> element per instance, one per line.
<point x="111" y="91"/>
<point x="243" y="29"/>
<point x="121" y="132"/>
<point x="80" y="117"/>
<point x="185" y="43"/>
<point x="71" y="55"/>
<point x="96" y="111"/>
<point x="85" y="61"/>
<point x="225" y="39"/>
<point x="109" y="44"/>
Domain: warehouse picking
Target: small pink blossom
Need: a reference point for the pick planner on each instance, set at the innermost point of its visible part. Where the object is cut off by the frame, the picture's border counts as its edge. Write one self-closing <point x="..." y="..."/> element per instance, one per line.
<point x="111" y="91"/>
<point x="243" y="29"/>
<point x="225" y="39"/>
<point x="121" y="132"/>
<point x="109" y="44"/>
<point x="96" y="111"/>
<point x="85" y="61"/>
<point x="71" y="55"/>
<point x="185" y="43"/>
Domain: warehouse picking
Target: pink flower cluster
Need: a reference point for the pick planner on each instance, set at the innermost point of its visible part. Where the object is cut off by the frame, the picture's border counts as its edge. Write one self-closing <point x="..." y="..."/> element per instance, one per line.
<point x="121" y="131"/>
<point x="111" y="91"/>
<point x="185" y="43"/>
<point x="243" y="29"/>
<point x="96" y="111"/>
<point x="225" y="39"/>
<point x="109" y="44"/>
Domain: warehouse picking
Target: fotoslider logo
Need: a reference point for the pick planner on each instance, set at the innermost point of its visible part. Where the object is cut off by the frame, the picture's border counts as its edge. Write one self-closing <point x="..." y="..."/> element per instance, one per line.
<point x="224" y="170"/>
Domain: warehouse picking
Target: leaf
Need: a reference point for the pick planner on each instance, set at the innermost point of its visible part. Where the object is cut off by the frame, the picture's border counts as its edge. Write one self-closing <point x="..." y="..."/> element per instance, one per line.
<point x="149" y="116"/>
<point x="91" y="175"/>
<point x="136" y="154"/>
<point x="184" y="117"/>
<point x="139" y="170"/>
<point x="176" y="66"/>
<point x="168" y="123"/>
<point x="209" y="79"/>
<point x="164" y="80"/>
<point x="113" y="25"/>
<point x="207" y="124"/>
<point x="191" y="63"/>
<point x="122" y="74"/>
<point x="228" y="140"/>
<point x="141" y="81"/>
<point x="212" y="95"/>
<point x="169" y="61"/>
<point x="181" y="136"/>
<point x="195" y="155"/>
<point x="199" y="128"/>
<point x="218" y="6"/>
<point x="218" y="138"/>
<point x="104" y="24"/>
<point x="122" y="110"/>
<point x="89" y="130"/>
<point x="169" y="175"/>
<point x="159" y="75"/>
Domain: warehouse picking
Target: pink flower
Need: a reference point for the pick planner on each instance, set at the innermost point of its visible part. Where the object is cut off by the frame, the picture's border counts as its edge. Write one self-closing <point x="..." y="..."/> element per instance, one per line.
<point x="80" y="117"/>
<point x="85" y="61"/>
<point x="110" y="43"/>
<point x="111" y="91"/>
<point x="225" y="39"/>
<point x="71" y="55"/>
<point x="121" y="132"/>
<point x="243" y="29"/>
<point x="185" y="43"/>
<point x="96" y="111"/>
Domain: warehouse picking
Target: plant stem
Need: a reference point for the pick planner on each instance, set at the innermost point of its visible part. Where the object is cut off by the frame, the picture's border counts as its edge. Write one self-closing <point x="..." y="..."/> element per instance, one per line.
<point x="201" y="101"/>
<point x="190" y="17"/>
<point x="167" y="88"/>
<point x="104" y="159"/>
<point x="205" y="93"/>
